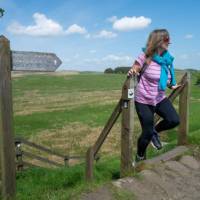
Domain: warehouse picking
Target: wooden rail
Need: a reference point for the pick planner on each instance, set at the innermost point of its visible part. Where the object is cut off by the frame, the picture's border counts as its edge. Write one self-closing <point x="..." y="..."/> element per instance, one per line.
<point x="28" y="154"/>
<point x="21" y="153"/>
<point x="39" y="147"/>
<point x="111" y="121"/>
<point x="91" y="154"/>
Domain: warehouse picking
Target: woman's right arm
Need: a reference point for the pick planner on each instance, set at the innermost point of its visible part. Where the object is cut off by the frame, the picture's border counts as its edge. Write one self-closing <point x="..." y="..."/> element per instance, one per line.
<point x="135" y="69"/>
<point x="137" y="65"/>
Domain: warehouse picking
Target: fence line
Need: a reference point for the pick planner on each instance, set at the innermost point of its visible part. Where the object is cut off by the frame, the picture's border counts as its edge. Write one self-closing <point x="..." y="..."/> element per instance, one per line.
<point x="21" y="153"/>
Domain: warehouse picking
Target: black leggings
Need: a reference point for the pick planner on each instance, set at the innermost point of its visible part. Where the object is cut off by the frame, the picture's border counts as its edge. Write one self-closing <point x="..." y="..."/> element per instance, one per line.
<point x="146" y="112"/>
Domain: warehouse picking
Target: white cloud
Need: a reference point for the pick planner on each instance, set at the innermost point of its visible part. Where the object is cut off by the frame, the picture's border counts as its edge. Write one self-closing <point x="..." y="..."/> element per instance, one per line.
<point x="112" y="57"/>
<point x="105" y="34"/>
<point x="189" y="36"/>
<point x="112" y="19"/>
<point x="76" y="29"/>
<point x="44" y="27"/>
<point x="131" y="23"/>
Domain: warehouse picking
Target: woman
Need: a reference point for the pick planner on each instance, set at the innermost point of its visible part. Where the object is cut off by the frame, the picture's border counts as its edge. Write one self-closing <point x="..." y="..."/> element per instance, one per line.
<point x="150" y="92"/>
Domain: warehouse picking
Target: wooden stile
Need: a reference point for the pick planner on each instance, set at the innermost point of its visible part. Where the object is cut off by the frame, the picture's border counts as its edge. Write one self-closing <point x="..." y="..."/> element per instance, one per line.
<point x="126" y="107"/>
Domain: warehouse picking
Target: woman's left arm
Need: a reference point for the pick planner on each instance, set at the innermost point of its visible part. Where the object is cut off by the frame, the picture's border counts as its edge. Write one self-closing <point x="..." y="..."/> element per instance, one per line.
<point x="169" y="84"/>
<point x="173" y="87"/>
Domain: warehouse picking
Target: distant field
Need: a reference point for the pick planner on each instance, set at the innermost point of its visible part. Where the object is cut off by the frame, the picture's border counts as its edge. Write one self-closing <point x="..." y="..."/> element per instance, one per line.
<point x="68" y="112"/>
<point x="57" y="73"/>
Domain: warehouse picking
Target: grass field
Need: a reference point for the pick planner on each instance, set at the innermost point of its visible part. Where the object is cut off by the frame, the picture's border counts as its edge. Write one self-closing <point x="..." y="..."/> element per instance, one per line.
<point x="67" y="113"/>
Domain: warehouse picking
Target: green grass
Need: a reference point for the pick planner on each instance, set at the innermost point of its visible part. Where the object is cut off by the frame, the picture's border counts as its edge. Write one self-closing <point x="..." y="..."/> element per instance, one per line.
<point x="55" y="84"/>
<point x="69" y="183"/>
<point x="64" y="183"/>
<point x="92" y="115"/>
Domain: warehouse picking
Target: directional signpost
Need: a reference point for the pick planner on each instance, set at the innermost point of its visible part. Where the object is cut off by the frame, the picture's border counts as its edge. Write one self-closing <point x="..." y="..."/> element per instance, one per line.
<point x="16" y="61"/>
<point x="34" y="61"/>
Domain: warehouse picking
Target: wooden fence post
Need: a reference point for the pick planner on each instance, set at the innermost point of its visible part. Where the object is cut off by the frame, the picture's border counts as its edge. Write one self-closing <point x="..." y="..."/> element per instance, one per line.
<point x="184" y="112"/>
<point x="127" y="127"/>
<point x="89" y="164"/>
<point x="7" y="150"/>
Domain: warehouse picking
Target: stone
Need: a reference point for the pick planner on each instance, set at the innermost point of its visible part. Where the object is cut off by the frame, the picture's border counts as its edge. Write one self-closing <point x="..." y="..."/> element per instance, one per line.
<point x="178" y="168"/>
<point x="190" y="162"/>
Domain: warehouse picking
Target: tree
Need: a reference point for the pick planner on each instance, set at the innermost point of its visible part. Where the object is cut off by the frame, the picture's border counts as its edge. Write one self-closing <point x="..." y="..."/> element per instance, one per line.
<point x="108" y="71"/>
<point x="2" y="12"/>
<point x="121" y="70"/>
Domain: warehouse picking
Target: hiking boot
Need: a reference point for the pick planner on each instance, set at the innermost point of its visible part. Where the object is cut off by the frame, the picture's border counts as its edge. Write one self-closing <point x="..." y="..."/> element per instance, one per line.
<point x="138" y="159"/>
<point x="155" y="141"/>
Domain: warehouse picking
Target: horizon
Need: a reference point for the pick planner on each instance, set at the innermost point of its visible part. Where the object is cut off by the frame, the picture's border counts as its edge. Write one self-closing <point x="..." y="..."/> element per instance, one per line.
<point x="87" y="39"/>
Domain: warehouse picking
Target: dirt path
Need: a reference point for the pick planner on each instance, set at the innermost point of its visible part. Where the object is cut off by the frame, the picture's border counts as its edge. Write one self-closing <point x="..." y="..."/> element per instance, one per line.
<point x="172" y="177"/>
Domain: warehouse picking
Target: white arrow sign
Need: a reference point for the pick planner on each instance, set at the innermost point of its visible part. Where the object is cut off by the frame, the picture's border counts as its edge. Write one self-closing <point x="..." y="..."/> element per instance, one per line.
<point x="34" y="61"/>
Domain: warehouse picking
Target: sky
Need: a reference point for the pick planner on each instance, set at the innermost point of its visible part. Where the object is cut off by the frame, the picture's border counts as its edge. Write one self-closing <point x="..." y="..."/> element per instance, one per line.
<point x="92" y="35"/>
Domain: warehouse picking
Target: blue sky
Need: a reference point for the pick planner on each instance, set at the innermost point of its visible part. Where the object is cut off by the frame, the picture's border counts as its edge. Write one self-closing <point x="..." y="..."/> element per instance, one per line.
<point x="94" y="35"/>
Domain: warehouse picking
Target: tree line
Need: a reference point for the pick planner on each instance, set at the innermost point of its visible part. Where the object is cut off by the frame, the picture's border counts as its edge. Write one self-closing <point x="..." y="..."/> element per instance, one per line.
<point x="117" y="70"/>
<point x="124" y="70"/>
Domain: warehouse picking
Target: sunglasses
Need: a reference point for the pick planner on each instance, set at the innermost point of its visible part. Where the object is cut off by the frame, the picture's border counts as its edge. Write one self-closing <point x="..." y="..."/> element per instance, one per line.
<point x="166" y="40"/>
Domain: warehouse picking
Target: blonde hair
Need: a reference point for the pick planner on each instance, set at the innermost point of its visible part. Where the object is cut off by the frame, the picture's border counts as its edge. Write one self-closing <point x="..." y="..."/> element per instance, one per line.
<point x="154" y="41"/>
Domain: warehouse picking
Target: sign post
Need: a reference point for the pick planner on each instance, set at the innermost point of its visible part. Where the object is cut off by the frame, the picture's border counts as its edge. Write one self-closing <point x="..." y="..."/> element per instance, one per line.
<point x="23" y="61"/>
<point x="7" y="152"/>
<point x="34" y="61"/>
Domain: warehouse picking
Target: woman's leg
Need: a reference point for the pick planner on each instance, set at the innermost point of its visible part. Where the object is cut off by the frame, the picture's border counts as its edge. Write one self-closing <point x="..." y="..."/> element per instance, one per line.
<point x="170" y="117"/>
<point x="146" y="116"/>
